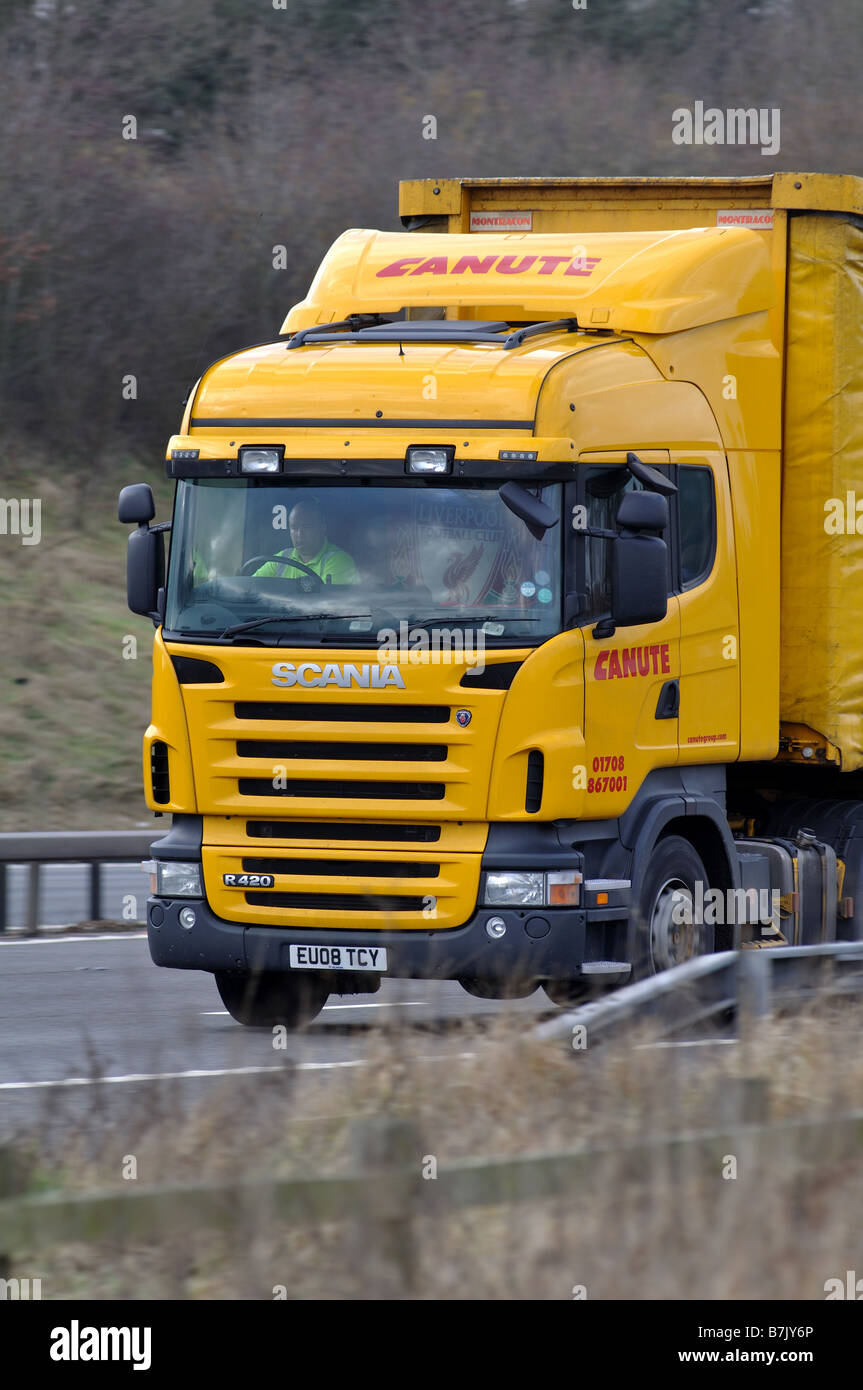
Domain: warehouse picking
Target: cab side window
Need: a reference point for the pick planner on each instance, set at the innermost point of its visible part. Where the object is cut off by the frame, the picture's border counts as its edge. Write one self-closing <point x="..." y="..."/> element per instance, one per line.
<point x="697" y="523"/>
<point x="601" y="491"/>
<point x="691" y="534"/>
<point x="604" y="489"/>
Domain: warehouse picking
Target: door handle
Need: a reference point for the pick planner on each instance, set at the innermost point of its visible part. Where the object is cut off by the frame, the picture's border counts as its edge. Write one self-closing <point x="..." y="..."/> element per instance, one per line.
<point x="668" y="704"/>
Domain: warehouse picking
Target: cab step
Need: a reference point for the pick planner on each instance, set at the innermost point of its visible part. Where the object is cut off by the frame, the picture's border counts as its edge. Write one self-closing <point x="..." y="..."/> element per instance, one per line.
<point x="606" y="967"/>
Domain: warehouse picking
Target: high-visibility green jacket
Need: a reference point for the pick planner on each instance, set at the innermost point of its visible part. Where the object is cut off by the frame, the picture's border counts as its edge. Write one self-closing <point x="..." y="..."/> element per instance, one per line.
<point x="332" y="565"/>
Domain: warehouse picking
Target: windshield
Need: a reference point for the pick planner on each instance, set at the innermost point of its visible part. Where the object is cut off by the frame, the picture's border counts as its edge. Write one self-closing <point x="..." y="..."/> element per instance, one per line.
<point x="303" y="563"/>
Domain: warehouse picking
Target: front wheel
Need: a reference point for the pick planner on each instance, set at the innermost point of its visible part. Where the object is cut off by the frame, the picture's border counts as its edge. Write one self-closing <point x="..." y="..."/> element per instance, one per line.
<point x="268" y="998"/>
<point x="498" y="989"/>
<point x="668" y="931"/>
<point x="570" y="991"/>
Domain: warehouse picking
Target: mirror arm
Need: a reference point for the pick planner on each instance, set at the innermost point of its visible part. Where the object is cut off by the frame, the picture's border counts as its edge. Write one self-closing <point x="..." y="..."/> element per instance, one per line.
<point x="650" y="478"/>
<point x="596" y="532"/>
<point x="158" y="616"/>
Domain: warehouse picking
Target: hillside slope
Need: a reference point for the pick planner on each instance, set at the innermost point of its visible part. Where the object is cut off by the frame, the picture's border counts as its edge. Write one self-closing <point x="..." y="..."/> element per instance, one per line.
<point x="72" y="706"/>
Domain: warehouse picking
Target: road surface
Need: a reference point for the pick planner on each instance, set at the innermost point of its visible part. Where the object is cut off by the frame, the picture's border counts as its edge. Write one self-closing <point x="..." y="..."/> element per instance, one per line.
<point x="88" y="1023"/>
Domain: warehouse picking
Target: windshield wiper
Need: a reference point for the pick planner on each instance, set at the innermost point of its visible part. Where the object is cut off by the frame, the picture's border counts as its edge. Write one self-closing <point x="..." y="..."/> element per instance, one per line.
<point x="406" y="331"/>
<point x="433" y="618"/>
<point x="251" y="623"/>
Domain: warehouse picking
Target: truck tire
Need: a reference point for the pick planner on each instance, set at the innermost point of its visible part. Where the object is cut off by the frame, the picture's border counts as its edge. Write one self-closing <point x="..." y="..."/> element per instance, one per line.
<point x="674" y="868"/>
<point x="271" y="997"/>
<point x="567" y="992"/>
<point x="498" y="989"/>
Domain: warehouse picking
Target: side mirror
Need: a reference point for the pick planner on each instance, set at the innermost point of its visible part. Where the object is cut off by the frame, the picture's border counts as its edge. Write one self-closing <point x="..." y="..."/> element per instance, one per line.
<point x="136" y="504"/>
<point x="642" y="511"/>
<point x="639" y="564"/>
<point x="145" y="557"/>
<point x="145" y="572"/>
<point x="649" y="477"/>
<point x="536" y="515"/>
<point x="639" y="580"/>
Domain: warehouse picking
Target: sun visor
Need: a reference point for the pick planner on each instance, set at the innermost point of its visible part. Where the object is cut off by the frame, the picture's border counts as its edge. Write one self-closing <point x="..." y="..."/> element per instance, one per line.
<point x="638" y="282"/>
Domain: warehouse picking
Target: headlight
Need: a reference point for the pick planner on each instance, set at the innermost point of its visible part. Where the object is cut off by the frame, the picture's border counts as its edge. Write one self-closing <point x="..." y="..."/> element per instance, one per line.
<point x="423" y="460"/>
<point x="514" y="889"/>
<point x="526" y="888"/>
<point x="176" y="880"/>
<point x="260" y="460"/>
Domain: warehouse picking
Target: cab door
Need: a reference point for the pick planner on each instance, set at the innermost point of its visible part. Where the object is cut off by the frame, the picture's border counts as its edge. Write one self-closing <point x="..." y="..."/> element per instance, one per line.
<point x="632" y="677"/>
<point x="706" y="581"/>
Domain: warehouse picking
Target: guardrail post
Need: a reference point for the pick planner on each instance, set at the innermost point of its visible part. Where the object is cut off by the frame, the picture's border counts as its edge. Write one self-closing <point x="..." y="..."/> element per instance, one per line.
<point x="388" y="1146"/>
<point x="6" y="1188"/>
<point x="34" y="876"/>
<point x="3" y="919"/>
<point x="742" y="1100"/>
<point x="95" y="891"/>
<point x="754" y="990"/>
<point x="12" y="1182"/>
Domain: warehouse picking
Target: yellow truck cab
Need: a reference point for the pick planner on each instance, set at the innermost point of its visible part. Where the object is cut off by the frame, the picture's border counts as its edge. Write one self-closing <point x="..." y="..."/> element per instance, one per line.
<point x="505" y="635"/>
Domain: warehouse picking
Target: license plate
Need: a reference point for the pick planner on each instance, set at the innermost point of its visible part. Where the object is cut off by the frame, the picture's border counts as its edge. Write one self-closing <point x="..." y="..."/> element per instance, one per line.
<point x="339" y="958"/>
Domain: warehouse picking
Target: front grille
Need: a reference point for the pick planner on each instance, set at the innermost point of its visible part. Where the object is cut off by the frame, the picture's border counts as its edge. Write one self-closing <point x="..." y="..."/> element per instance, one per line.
<point x="356" y="713"/>
<point x="344" y="755"/>
<point x="343" y="791"/>
<point x="338" y="902"/>
<point x="160" y="772"/>
<point x="344" y="868"/>
<point x="341" y="830"/>
<point x="357" y="752"/>
<point x="361" y="887"/>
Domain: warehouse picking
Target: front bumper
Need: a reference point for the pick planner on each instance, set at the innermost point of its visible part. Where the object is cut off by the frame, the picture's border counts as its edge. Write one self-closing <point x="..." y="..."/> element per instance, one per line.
<point x="539" y="943"/>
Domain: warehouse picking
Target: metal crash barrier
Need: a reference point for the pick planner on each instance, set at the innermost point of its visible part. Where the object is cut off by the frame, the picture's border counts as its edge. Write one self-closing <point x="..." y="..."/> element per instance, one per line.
<point x="93" y="848"/>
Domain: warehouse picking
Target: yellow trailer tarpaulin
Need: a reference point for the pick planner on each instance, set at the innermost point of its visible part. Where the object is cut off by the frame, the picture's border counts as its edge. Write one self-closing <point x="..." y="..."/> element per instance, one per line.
<point x="821" y="677"/>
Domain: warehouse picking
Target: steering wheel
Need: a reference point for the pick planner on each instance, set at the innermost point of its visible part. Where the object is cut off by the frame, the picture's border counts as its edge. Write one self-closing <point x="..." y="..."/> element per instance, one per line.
<point x="258" y="560"/>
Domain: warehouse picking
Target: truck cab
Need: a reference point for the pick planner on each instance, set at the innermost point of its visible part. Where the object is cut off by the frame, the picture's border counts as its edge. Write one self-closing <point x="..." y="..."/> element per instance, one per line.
<point x="472" y="602"/>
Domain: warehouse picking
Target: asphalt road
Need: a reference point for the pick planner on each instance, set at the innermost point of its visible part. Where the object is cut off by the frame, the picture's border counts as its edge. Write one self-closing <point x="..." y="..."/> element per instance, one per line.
<point x="89" y="1023"/>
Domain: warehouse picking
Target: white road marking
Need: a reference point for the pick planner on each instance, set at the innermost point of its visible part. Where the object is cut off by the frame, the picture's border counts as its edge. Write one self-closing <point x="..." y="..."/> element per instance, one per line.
<point x="391" y="1004"/>
<point x="693" y="1042"/>
<point x="154" y="1076"/>
<point x="64" y="940"/>
<point x="387" y="1004"/>
<point x="197" y="1074"/>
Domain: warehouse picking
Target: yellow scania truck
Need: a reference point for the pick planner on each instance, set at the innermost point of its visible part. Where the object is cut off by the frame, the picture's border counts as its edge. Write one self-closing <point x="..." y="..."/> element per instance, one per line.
<point x="511" y="630"/>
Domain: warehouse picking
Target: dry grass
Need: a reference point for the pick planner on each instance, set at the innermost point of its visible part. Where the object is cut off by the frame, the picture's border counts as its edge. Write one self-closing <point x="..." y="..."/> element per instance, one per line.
<point x="661" y="1229"/>
<point x="74" y="709"/>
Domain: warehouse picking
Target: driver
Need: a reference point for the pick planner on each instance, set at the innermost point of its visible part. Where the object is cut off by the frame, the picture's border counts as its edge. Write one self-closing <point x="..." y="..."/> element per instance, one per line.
<point x="308" y="527"/>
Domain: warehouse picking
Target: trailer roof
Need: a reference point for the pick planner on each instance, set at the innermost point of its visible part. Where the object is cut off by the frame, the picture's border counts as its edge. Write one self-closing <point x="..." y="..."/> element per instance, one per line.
<point x="789" y="191"/>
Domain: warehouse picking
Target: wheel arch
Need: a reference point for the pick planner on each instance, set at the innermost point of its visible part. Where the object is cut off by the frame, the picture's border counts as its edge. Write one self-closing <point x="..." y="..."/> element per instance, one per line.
<point x="702" y="823"/>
